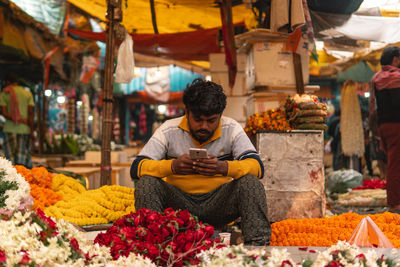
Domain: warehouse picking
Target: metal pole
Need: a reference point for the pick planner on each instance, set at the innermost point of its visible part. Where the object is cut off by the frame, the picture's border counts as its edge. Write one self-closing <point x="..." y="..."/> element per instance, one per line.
<point x="107" y="121"/>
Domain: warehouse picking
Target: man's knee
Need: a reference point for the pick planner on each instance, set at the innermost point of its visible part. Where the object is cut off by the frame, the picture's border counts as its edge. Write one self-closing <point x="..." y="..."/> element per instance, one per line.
<point x="148" y="182"/>
<point x="250" y="184"/>
<point x="249" y="180"/>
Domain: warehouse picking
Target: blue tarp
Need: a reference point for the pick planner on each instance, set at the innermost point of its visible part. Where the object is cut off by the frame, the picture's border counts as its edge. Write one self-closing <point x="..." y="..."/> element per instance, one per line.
<point x="360" y="72"/>
<point x="179" y="78"/>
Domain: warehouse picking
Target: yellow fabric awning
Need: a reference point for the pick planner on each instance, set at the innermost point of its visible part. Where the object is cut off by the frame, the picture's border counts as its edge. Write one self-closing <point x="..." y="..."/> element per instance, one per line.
<point x="172" y="16"/>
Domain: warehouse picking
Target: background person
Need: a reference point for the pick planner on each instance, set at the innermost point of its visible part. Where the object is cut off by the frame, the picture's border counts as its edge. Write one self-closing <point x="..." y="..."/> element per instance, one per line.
<point x="385" y="101"/>
<point x="17" y="107"/>
<point x="217" y="189"/>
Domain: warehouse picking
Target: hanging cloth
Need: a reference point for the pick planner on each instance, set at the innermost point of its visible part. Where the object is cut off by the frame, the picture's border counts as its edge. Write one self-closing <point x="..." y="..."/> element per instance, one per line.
<point x="142" y="121"/>
<point x="351" y="128"/>
<point x="14" y="106"/>
<point x="285" y="13"/>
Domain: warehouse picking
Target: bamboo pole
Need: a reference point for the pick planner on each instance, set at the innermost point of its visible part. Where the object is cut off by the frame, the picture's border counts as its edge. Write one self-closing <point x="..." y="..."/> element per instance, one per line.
<point x="298" y="72"/>
<point x="113" y="16"/>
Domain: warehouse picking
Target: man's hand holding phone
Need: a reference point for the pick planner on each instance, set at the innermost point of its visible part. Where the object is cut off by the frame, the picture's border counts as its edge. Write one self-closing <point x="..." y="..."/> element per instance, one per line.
<point x="208" y="165"/>
<point x="198" y="162"/>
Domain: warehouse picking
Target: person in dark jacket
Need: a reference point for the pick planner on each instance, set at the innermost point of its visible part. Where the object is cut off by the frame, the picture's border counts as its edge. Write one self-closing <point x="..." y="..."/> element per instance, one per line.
<point x="385" y="102"/>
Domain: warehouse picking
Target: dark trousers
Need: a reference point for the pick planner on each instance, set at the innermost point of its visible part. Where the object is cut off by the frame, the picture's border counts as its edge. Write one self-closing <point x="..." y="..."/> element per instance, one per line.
<point x="244" y="198"/>
<point x="390" y="136"/>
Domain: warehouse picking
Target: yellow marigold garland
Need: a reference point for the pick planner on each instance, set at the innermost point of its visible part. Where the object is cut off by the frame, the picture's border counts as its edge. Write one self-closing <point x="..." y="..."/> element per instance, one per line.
<point x="67" y="187"/>
<point x="98" y="206"/>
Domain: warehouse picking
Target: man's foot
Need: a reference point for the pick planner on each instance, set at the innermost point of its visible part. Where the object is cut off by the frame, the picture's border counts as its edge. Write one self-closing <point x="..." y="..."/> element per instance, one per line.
<point x="260" y="243"/>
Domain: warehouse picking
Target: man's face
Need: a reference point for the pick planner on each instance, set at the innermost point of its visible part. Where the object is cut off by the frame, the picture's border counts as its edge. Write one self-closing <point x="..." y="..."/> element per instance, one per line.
<point x="202" y="127"/>
<point x="396" y="62"/>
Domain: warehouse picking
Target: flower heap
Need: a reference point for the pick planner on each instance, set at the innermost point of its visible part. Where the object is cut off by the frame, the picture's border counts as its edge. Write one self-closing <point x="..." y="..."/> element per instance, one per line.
<point x="345" y="254"/>
<point x="171" y="238"/>
<point x="372" y="184"/>
<point x="14" y="190"/>
<point x="241" y="256"/>
<point x="325" y="232"/>
<point x="40" y="180"/>
<point x="270" y="120"/>
<point x="342" y="254"/>
<point x="32" y="239"/>
<point x="99" y="206"/>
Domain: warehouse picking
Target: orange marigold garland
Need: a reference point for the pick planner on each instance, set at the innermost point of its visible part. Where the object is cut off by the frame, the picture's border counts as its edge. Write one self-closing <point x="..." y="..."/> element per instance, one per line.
<point x="39" y="179"/>
<point x="325" y="232"/>
<point x="270" y="120"/>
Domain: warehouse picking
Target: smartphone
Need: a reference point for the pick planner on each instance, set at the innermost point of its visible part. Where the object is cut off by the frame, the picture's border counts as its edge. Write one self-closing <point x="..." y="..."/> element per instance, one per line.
<point x="197" y="153"/>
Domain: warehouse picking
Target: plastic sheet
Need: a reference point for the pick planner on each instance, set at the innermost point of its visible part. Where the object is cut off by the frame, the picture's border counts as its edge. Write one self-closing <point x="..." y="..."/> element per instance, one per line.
<point x="126" y="63"/>
<point x="368" y="234"/>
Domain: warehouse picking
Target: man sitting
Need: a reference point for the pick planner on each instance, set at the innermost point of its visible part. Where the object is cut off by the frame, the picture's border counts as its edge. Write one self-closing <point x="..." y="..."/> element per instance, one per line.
<point x="219" y="188"/>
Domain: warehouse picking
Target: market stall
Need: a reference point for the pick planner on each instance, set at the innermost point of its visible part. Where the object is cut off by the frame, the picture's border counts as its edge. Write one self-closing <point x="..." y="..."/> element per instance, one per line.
<point x="30" y="236"/>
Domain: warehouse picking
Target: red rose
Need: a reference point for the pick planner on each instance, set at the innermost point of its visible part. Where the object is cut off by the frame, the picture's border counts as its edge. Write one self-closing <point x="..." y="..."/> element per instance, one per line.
<point x="178" y="263"/>
<point x="209" y="230"/>
<point x="194" y="262"/>
<point x="103" y="239"/>
<point x="120" y="223"/>
<point x="152" y="217"/>
<point x="154" y="227"/>
<point x="129" y="232"/>
<point x="361" y="256"/>
<point x="74" y="244"/>
<point x="136" y="221"/>
<point x="169" y="210"/>
<point x="334" y="264"/>
<point x="51" y="223"/>
<point x="165" y="232"/>
<point x="189" y="246"/>
<point x="199" y="235"/>
<point x="174" y="246"/>
<point x="153" y="251"/>
<point x="207" y="242"/>
<point x="25" y="258"/>
<point x="180" y="239"/>
<point x="120" y="247"/>
<point x="2" y="256"/>
<point x="180" y="222"/>
<point x="189" y="236"/>
<point x="162" y="237"/>
<point x="184" y="215"/>
<point x="141" y="232"/>
<point x="286" y="262"/>
<point x="149" y="237"/>
<point x="191" y="223"/>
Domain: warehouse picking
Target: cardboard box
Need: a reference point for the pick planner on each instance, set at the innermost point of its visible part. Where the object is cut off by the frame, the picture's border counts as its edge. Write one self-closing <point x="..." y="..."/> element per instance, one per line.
<point x="219" y="74"/>
<point x="270" y="66"/>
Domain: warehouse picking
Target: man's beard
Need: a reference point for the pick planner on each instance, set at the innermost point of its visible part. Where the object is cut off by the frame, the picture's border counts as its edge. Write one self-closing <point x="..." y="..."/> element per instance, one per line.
<point x="201" y="139"/>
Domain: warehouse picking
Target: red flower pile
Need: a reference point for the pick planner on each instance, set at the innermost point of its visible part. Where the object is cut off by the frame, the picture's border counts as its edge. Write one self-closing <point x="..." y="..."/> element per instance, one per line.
<point x="372" y="184"/>
<point x="171" y="238"/>
<point x="2" y="258"/>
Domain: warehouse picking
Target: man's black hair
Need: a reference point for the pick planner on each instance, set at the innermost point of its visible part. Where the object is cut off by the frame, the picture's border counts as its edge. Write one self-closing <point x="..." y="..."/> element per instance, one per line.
<point x="388" y="54"/>
<point x="11" y="77"/>
<point x="204" y="98"/>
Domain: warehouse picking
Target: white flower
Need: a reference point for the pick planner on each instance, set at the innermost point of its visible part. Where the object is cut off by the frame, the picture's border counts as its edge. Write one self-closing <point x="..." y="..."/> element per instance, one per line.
<point x="23" y="233"/>
<point x="17" y="196"/>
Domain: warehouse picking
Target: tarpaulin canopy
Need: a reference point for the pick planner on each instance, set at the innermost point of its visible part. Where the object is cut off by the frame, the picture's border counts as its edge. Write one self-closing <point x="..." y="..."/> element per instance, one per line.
<point x="360" y="72"/>
<point x="356" y="27"/>
<point x="192" y="45"/>
<point x="171" y="16"/>
<point x="49" y="12"/>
